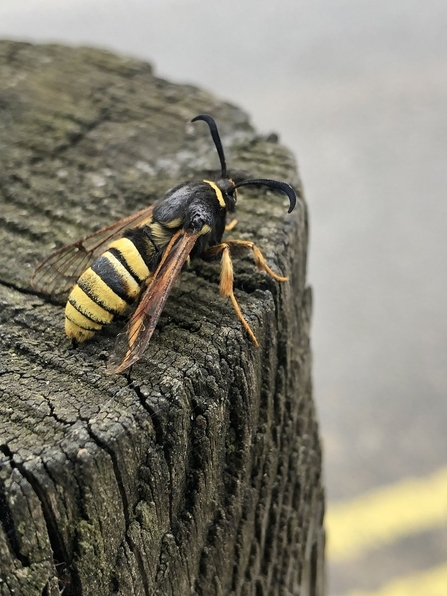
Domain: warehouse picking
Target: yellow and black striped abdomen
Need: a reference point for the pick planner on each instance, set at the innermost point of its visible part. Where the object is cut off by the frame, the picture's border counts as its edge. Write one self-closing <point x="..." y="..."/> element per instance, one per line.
<point x="107" y="287"/>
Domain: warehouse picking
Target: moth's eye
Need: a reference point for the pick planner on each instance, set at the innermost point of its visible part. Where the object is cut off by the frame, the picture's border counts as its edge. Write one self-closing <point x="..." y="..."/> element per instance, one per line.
<point x="231" y="195"/>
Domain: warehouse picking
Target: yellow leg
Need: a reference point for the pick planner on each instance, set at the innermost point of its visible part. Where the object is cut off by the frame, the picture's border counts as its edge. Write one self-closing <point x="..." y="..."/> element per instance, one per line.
<point x="231" y="225"/>
<point x="227" y="277"/>
<point x="257" y="255"/>
<point x="226" y="289"/>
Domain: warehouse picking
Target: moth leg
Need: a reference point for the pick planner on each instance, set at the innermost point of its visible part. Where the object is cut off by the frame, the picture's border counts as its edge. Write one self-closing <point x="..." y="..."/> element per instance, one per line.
<point x="258" y="257"/>
<point x="226" y="285"/>
<point x="231" y="225"/>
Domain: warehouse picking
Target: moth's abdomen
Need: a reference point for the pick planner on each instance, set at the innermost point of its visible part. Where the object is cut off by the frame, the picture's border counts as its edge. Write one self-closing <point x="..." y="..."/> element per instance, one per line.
<point x="105" y="289"/>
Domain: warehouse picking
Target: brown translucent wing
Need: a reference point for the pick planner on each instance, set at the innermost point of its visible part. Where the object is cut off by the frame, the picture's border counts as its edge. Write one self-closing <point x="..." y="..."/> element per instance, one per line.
<point x="59" y="272"/>
<point x="131" y="344"/>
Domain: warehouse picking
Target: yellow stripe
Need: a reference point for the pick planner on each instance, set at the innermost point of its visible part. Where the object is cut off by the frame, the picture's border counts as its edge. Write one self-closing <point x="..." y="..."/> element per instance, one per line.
<point x="75" y="332"/>
<point x="217" y="191"/>
<point x="78" y="319"/>
<point x="87" y="307"/>
<point x="387" y="514"/>
<point x="132" y="287"/>
<point x="160" y="234"/>
<point x="102" y="294"/>
<point x="132" y="257"/>
<point x="174" y="223"/>
<point x="427" y="583"/>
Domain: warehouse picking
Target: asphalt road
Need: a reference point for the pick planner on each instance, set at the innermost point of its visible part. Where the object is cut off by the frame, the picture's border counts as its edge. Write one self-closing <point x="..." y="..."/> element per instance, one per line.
<point x="359" y="91"/>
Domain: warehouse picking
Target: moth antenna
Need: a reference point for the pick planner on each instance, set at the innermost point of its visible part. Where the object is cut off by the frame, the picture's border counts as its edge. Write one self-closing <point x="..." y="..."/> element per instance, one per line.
<point x="275" y="184"/>
<point x="216" y="139"/>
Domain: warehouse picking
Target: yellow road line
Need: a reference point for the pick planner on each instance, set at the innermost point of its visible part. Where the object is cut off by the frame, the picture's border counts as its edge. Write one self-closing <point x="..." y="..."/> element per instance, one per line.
<point x="427" y="583"/>
<point x="386" y="514"/>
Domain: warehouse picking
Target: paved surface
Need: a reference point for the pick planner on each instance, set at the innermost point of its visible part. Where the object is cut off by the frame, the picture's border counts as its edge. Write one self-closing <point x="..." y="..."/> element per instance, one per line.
<point x="359" y="91"/>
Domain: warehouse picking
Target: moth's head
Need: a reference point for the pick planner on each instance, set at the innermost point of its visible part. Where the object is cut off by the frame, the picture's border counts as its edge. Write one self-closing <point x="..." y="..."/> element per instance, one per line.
<point x="229" y="192"/>
<point x="227" y="186"/>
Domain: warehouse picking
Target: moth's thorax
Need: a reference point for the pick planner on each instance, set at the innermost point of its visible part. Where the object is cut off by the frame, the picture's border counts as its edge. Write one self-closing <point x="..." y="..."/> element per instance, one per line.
<point x="193" y="204"/>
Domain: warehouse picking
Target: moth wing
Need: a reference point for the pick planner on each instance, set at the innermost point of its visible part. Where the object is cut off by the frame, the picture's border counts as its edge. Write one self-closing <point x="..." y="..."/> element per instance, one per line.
<point x="131" y="344"/>
<point x="56" y="274"/>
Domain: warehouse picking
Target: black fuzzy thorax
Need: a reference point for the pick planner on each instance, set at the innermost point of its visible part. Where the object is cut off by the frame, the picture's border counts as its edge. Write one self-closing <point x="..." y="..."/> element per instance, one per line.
<point x="193" y="205"/>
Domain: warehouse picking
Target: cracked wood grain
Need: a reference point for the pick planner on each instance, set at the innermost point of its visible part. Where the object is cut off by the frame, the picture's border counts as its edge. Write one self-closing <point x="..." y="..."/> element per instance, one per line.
<point x="200" y="471"/>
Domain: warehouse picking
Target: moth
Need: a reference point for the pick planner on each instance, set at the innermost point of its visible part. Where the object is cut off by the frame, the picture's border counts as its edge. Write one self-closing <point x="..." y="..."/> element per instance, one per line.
<point x="139" y="258"/>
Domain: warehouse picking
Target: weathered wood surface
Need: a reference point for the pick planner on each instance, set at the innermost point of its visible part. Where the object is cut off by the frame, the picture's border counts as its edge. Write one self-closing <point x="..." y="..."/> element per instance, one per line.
<point x="201" y="472"/>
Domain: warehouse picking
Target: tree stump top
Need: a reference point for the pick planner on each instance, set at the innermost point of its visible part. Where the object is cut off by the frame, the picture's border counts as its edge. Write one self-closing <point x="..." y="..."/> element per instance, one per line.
<point x="154" y="482"/>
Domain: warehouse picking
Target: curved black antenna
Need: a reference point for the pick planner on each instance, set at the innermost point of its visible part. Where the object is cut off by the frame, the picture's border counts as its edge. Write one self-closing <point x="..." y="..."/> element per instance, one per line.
<point x="216" y="138"/>
<point x="283" y="186"/>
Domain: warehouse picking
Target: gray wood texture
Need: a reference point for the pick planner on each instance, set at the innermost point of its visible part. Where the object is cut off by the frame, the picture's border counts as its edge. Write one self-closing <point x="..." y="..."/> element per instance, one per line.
<point x="200" y="472"/>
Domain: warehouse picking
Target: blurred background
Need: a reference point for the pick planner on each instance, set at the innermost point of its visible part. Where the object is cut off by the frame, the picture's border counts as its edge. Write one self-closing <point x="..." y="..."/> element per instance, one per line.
<point x="358" y="90"/>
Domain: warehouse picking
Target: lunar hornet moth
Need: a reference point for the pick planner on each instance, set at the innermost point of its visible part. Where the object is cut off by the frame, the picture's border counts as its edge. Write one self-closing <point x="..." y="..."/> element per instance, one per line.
<point x="138" y="259"/>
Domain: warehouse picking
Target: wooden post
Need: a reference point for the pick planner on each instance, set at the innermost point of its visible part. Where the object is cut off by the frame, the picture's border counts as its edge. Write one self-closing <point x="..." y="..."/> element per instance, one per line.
<point x="200" y="472"/>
